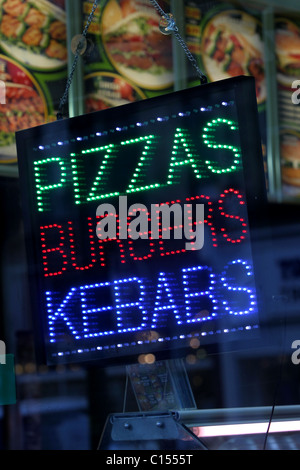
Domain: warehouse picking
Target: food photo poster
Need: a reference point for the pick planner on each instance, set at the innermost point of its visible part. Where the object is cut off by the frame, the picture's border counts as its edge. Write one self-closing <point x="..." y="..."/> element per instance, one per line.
<point x="129" y="59"/>
<point x="33" y="67"/>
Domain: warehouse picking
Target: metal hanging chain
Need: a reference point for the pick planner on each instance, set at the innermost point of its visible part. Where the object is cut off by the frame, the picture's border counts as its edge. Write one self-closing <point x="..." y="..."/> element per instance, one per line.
<point x="171" y="26"/>
<point x="77" y="54"/>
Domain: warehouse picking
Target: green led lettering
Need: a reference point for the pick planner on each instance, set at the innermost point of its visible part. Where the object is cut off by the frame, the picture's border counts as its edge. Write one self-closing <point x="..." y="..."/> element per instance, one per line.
<point x="181" y="155"/>
<point x="211" y="142"/>
<point x="103" y="174"/>
<point x="140" y="172"/>
<point x="41" y="175"/>
<point x="77" y="175"/>
<point x="51" y="173"/>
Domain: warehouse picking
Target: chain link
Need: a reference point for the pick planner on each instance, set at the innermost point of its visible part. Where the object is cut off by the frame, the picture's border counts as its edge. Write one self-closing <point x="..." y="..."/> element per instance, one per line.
<point x="77" y="54"/>
<point x="172" y="27"/>
<point x="158" y="8"/>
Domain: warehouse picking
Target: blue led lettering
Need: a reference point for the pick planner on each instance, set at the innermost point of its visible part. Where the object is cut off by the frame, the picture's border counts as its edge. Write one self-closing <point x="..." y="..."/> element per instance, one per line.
<point x="93" y="315"/>
<point x="131" y="314"/>
<point x="238" y="296"/>
<point x="200" y="305"/>
<point x="164" y="302"/>
<point x="85" y="311"/>
<point x="59" y="314"/>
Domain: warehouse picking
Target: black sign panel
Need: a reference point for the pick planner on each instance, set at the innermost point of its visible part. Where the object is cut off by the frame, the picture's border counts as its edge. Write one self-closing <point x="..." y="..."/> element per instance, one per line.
<point x="138" y="224"/>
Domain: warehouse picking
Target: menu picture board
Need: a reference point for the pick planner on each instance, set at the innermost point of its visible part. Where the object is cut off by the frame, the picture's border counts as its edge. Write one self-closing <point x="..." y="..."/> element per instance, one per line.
<point x="138" y="222"/>
<point x="287" y="49"/>
<point x="131" y="59"/>
<point x="231" y="45"/>
<point x="226" y="38"/>
<point x="33" y="67"/>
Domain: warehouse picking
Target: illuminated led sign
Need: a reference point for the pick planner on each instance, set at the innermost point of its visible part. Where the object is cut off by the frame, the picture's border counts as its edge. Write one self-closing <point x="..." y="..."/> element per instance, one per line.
<point x="138" y="224"/>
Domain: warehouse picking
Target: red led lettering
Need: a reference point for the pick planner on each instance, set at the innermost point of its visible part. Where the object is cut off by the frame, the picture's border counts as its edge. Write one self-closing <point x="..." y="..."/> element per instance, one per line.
<point x="209" y="219"/>
<point x="92" y="245"/>
<point x="59" y="256"/>
<point x="229" y="193"/>
<point x="52" y="252"/>
<point x="141" y="256"/>
<point x="103" y="242"/>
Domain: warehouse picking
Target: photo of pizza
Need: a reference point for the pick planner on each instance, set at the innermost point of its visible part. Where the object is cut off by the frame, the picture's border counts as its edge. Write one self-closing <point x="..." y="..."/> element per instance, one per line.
<point x="34" y="33"/>
<point x="134" y="44"/>
<point x="231" y="45"/>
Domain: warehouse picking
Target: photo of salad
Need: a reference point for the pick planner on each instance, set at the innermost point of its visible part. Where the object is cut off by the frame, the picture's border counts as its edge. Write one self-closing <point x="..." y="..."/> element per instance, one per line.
<point x="34" y="32"/>
<point x="134" y="44"/>
<point x="24" y="106"/>
<point x="232" y="45"/>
